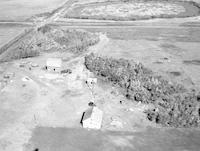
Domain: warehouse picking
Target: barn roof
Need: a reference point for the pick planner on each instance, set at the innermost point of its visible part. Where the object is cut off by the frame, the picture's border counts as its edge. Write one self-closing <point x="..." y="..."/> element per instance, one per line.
<point x="54" y="62"/>
<point x="87" y="113"/>
<point x="92" y="112"/>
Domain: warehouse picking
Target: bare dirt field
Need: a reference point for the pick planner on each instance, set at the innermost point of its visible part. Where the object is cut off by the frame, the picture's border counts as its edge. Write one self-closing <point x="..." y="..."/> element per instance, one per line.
<point x="133" y="10"/>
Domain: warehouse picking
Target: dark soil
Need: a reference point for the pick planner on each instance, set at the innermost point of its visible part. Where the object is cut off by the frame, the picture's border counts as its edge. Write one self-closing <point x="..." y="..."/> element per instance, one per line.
<point x="192" y="62"/>
<point x="174" y="105"/>
<point x="175" y="73"/>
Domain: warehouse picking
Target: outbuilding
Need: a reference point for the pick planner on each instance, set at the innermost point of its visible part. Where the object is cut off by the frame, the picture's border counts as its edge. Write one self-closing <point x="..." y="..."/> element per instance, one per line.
<point x="91" y="81"/>
<point x="92" y="118"/>
<point x="54" y="64"/>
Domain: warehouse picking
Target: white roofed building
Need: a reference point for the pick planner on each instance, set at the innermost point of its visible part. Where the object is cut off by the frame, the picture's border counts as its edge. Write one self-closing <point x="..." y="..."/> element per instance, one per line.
<point x="54" y="64"/>
<point x="92" y="118"/>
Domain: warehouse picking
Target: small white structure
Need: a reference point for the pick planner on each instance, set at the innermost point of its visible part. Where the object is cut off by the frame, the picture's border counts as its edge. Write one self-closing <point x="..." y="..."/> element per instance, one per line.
<point x="92" y="118"/>
<point x="91" y="81"/>
<point x="54" y="64"/>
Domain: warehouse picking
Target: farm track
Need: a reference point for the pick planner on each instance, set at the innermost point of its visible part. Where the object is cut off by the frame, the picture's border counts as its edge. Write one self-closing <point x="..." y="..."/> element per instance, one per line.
<point x="118" y="25"/>
<point x="105" y="24"/>
<point x="17" y="23"/>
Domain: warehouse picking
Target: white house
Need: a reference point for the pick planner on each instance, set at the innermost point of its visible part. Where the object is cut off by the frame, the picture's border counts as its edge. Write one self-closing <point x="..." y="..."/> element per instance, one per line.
<point x="92" y="118"/>
<point x="54" y="64"/>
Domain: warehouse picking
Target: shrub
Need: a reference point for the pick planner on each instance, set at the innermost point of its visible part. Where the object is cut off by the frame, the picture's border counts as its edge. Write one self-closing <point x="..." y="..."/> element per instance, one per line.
<point x="47" y="38"/>
<point x="44" y="29"/>
<point x="25" y="49"/>
<point x="75" y="41"/>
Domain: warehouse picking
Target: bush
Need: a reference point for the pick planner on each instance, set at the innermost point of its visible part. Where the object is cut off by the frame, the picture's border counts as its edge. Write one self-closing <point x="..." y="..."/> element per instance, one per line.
<point x="25" y="49"/>
<point x="44" y="29"/>
<point x="74" y="40"/>
<point x="173" y="104"/>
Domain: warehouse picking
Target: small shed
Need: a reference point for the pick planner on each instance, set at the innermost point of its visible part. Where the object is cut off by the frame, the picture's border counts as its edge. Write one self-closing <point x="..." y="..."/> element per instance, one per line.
<point x="92" y="118"/>
<point x="54" y="64"/>
<point x="91" y="81"/>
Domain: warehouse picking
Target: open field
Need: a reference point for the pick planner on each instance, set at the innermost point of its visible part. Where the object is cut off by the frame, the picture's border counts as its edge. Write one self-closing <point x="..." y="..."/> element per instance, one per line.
<point x="59" y="139"/>
<point x="20" y="10"/>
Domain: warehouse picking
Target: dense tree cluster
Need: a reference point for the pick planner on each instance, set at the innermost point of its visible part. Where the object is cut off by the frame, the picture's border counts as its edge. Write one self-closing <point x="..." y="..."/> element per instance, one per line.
<point x="173" y="104"/>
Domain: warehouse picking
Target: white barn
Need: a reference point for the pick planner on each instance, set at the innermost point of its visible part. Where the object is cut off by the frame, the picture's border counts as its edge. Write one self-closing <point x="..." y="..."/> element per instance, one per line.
<point x="54" y="64"/>
<point x="92" y="118"/>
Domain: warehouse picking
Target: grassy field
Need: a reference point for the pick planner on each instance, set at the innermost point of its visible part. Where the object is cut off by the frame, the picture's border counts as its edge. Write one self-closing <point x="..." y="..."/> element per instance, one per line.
<point x="19" y="10"/>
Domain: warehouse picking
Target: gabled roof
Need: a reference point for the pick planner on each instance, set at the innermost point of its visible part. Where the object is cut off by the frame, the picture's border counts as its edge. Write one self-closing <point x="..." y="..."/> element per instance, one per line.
<point x="94" y="113"/>
<point x="87" y="114"/>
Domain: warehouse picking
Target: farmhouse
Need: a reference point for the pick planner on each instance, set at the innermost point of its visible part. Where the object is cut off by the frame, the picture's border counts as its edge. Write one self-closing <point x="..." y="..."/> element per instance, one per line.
<point x="54" y="64"/>
<point x="92" y="118"/>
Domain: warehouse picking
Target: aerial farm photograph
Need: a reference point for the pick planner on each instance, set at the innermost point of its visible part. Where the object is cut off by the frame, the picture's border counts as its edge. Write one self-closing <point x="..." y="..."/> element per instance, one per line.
<point x="99" y="75"/>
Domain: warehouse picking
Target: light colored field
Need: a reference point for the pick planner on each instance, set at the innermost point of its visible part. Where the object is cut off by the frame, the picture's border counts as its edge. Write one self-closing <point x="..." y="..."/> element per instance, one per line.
<point x="139" y="9"/>
<point x="134" y="10"/>
<point x="22" y="9"/>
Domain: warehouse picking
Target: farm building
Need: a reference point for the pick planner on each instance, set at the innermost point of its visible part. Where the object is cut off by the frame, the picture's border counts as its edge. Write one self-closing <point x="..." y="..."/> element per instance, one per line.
<point x="92" y="118"/>
<point x="91" y="81"/>
<point x="54" y="64"/>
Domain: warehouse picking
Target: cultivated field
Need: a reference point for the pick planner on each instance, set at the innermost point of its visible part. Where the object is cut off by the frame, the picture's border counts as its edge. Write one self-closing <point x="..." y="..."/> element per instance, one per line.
<point x="133" y="10"/>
